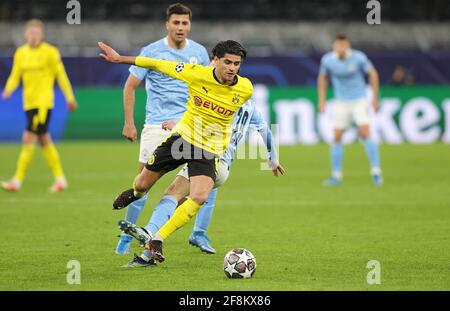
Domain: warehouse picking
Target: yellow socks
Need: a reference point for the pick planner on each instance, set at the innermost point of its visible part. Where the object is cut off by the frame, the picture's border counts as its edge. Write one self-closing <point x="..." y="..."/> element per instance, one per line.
<point x="25" y="157"/>
<point x="182" y="215"/>
<point x="52" y="157"/>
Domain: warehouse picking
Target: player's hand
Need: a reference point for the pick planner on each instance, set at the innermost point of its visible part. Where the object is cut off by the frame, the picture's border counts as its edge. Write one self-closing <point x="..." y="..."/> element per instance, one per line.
<point x="168" y="125"/>
<point x="72" y="106"/>
<point x="276" y="168"/>
<point x="129" y="132"/>
<point x="6" y="95"/>
<point x="322" y="107"/>
<point x="110" y="55"/>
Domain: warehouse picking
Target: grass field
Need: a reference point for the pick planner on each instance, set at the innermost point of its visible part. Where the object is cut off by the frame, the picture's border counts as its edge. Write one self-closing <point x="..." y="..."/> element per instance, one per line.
<point x="304" y="236"/>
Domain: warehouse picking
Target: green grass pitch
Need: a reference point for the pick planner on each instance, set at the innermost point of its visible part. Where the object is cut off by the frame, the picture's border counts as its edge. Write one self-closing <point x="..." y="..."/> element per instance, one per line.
<point x="304" y="236"/>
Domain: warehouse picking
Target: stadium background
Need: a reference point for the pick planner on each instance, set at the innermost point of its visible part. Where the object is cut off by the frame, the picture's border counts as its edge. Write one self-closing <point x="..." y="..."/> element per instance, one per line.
<point x="332" y="233"/>
<point x="410" y="49"/>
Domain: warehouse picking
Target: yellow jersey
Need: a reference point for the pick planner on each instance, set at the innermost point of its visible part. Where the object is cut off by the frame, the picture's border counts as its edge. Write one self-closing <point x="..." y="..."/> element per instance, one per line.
<point x="37" y="68"/>
<point x="207" y="122"/>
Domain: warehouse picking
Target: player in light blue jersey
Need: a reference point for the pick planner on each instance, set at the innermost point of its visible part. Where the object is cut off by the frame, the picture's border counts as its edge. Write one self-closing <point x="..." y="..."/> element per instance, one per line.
<point x="246" y="117"/>
<point x="166" y="97"/>
<point x="347" y="68"/>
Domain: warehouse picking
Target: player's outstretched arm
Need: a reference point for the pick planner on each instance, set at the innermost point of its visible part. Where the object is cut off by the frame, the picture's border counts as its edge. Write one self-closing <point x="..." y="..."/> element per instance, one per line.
<point x="176" y="70"/>
<point x="112" y="56"/>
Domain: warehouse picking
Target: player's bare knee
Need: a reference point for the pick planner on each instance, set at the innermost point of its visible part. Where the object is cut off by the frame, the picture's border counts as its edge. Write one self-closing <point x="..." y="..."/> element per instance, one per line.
<point x="141" y="185"/>
<point x="199" y="197"/>
<point x="44" y="139"/>
<point x="364" y="132"/>
<point x="338" y="133"/>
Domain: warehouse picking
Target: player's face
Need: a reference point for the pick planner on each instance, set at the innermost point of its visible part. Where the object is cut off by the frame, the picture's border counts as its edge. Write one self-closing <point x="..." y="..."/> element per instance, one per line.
<point x="34" y="35"/>
<point x="178" y="27"/>
<point x="341" y="47"/>
<point x="227" y="67"/>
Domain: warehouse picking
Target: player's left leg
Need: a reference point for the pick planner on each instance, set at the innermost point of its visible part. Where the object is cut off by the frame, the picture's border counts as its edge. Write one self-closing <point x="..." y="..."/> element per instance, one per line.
<point x="362" y="120"/>
<point x="198" y="237"/>
<point x="200" y="186"/>
<point x="52" y="157"/>
<point x="373" y="155"/>
<point x="50" y="152"/>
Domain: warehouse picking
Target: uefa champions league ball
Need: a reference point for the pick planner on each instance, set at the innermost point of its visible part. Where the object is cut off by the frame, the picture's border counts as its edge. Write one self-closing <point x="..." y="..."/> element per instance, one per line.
<point x="239" y="264"/>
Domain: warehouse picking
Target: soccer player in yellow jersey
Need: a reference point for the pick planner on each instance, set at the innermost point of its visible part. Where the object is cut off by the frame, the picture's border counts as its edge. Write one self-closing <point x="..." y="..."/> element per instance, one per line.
<point x="37" y="64"/>
<point x="202" y="134"/>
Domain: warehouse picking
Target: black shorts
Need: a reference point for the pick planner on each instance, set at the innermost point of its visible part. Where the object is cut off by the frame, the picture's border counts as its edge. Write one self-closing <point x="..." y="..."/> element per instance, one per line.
<point x="34" y="124"/>
<point x="175" y="151"/>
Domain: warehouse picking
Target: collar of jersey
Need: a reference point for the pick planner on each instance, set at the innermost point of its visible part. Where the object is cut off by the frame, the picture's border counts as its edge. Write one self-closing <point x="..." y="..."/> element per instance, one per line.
<point x="166" y="42"/>
<point x="349" y="52"/>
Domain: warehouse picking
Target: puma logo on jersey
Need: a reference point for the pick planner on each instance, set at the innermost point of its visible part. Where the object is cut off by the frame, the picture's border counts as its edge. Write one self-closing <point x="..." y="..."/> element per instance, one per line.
<point x="206" y="90"/>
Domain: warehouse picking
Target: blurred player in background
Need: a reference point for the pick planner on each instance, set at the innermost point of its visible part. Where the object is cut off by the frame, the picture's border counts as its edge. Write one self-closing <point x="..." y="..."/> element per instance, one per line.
<point x="246" y="117"/>
<point x="166" y="103"/>
<point x="37" y="64"/>
<point x="346" y="68"/>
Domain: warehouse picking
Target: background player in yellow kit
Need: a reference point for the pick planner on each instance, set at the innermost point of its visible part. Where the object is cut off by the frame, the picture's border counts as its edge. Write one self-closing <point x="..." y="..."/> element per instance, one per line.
<point x="37" y="64"/>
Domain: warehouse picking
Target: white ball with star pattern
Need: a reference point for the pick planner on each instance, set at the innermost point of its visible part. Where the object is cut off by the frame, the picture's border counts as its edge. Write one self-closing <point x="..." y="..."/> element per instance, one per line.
<point x="239" y="263"/>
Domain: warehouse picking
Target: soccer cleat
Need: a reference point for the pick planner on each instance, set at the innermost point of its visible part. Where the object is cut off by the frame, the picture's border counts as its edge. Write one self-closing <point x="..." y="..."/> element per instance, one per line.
<point x="139" y="262"/>
<point x="59" y="185"/>
<point x="332" y="181"/>
<point x="140" y="234"/>
<point x="124" y="245"/>
<point x="200" y="239"/>
<point x="124" y="199"/>
<point x="13" y="185"/>
<point x="377" y="180"/>
<point x="155" y="249"/>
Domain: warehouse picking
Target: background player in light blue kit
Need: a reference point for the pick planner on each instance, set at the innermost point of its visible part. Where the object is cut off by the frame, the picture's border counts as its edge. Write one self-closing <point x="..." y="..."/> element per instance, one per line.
<point x="347" y="69"/>
<point x="166" y="99"/>
<point x="246" y="117"/>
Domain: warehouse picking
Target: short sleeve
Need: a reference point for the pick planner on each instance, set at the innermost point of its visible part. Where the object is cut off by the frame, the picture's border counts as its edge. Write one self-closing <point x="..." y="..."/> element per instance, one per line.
<point x="140" y="72"/>
<point x="323" y="66"/>
<point x="366" y="64"/>
<point x="205" y="58"/>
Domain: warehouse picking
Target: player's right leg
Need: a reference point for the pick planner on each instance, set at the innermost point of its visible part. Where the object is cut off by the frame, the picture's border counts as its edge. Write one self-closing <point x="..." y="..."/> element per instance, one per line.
<point x="23" y="162"/>
<point x="151" y="138"/>
<point x="341" y="119"/>
<point x="161" y="161"/>
<point x="199" y="238"/>
<point x="175" y="193"/>
<point x="142" y="183"/>
<point x="29" y="139"/>
<point x="202" y="175"/>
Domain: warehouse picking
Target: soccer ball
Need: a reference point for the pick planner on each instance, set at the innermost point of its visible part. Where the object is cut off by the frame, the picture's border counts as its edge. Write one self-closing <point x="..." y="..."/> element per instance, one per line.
<point x="239" y="264"/>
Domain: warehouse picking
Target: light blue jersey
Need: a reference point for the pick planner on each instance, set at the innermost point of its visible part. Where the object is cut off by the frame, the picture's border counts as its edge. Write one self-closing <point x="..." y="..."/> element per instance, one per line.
<point x="248" y="117"/>
<point x="347" y="75"/>
<point x="166" y="96"/>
